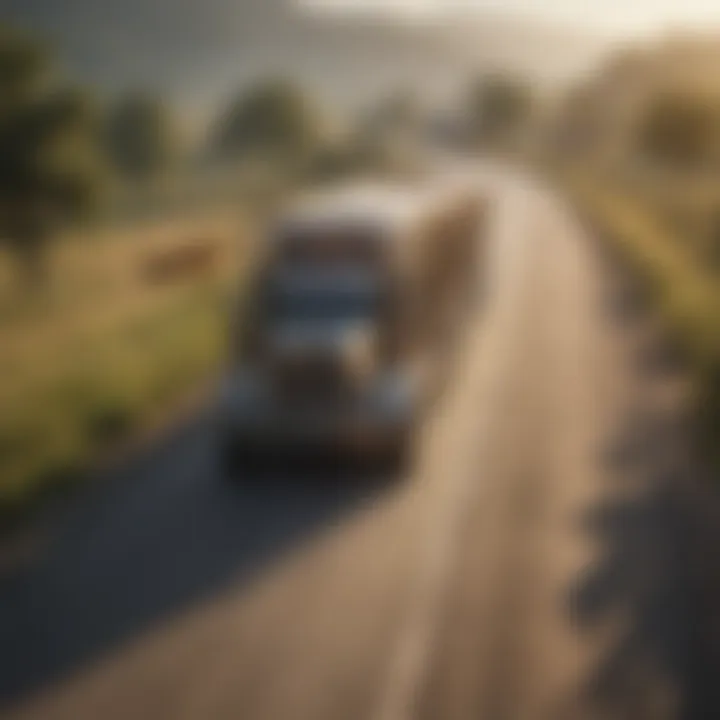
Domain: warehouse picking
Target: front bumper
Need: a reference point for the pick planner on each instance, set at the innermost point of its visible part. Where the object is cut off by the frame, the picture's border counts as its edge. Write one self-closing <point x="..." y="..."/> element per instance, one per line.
<point x="253" y="426"/>
<point x="295" y="438"/>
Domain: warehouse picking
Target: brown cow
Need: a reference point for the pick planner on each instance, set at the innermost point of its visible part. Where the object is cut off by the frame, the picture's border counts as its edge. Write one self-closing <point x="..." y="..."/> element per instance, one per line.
<point x="189" y="260"/>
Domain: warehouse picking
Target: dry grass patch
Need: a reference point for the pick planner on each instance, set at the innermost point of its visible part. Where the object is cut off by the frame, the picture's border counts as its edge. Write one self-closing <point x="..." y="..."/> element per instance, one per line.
<point x="85" y="361"/>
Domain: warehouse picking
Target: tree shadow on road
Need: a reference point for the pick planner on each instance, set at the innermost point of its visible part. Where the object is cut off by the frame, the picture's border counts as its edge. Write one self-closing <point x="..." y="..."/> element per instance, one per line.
<point x="646" y="588"/>
<point x="164" y="532"/>
<point x="640" y="582"/>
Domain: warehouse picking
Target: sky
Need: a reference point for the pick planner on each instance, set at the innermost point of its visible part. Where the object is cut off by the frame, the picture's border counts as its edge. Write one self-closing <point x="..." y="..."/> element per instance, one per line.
<point x="622" y="16"/>
<point x="199" y="52"/>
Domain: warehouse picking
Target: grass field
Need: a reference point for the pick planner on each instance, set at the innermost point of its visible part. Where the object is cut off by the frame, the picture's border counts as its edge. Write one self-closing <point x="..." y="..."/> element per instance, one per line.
<point x="102" y="349"/>
<point x="681" y="283"/>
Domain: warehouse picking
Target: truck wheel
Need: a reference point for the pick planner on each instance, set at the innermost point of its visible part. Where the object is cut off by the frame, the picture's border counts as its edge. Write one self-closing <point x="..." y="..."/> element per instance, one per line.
<point x="233" y="460"/>
<point x="399" y="456"/>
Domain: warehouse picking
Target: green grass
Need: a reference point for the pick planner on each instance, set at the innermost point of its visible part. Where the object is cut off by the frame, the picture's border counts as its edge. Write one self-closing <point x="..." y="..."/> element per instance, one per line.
<point x="101" y="354"/>
<point x="685" y="292"/>
<point x="56" y="428"/>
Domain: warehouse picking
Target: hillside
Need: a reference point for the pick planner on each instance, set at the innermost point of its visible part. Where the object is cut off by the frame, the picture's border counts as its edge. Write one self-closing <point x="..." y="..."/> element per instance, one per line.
<point x="200" y="52"/>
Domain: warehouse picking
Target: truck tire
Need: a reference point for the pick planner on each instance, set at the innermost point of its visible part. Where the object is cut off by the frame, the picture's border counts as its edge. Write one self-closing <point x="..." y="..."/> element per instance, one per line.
<point x="235" y="460"/>
<point x="398" y="458"/>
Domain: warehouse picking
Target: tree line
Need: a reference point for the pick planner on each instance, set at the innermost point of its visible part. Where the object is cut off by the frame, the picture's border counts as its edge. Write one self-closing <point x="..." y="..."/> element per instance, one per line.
<point x="656" y="106"/>
<point x="59" y="146"/>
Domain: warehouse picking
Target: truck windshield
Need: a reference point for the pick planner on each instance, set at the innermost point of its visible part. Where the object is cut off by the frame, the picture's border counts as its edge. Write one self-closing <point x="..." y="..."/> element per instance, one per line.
<point x="342" y="248"/>
<point x="284" y="305"/>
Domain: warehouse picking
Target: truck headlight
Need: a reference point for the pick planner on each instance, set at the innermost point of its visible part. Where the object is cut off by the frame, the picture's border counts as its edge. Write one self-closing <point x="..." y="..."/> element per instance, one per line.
<point x="393" y="397"/>
<point x="360" y="355"/>
<point x="240" y="393"/>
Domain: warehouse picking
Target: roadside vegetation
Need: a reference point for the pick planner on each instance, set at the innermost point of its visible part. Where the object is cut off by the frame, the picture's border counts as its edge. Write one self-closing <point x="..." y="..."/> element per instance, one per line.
<point x="121" y="332"/>
<point x="637" y="147"/>
<point x="685" y="292"/>
<point x="119" y="247"/>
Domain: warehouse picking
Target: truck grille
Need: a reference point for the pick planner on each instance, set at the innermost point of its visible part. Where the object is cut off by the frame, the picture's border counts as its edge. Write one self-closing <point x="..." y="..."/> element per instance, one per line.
<point x="311" y="381"/>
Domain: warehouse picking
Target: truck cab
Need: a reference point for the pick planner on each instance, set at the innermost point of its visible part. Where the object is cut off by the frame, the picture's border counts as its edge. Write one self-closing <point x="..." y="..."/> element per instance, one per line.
<point x="334" y="355"/>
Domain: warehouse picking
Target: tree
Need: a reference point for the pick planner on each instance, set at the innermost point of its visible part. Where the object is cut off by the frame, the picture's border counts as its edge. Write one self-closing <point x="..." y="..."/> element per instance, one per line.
<point x="390" y="133"/>
<point x="398" y="113"/>
<point x="272" y="121"/>
<point x="49" y="160"/>
<point x="679" y="129"/>
<point x="141" y="137"/>
<point x="499" y="108"/>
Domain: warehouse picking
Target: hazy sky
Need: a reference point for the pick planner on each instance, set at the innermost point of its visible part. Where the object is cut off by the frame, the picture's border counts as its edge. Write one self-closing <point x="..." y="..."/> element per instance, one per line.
<point x="630" y="16"/>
